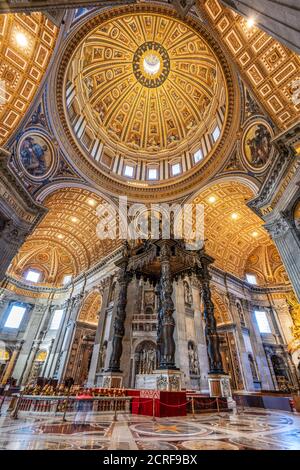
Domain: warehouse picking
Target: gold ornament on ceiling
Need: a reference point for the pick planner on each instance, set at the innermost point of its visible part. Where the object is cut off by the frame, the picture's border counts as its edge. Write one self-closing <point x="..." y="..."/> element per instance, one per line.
<point x="143" y="82"/>
<point x="265" y="263"/>
<point x="269" y="67"/>
<point x="65" y="242"/>
<point x="231" y="229"/>
<point x="26" y="45"/>
<point x="91" y="307"/>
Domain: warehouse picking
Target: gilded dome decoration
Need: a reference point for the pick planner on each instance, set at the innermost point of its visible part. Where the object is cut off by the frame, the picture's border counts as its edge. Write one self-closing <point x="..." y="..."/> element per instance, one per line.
<point x="145" y="96"/>
<point x="151" y="64"/>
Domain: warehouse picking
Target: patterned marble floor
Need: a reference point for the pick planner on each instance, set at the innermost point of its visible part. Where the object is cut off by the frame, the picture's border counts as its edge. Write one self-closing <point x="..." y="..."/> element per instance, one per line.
<point x="251" y="429"/>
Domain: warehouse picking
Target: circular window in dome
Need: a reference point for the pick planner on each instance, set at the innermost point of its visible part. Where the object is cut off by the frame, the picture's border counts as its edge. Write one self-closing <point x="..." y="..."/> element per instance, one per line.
<point x="151" y="64"/>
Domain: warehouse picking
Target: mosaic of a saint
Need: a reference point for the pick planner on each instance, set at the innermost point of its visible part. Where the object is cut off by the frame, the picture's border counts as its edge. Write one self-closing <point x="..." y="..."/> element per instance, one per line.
<point x="35" y="155"/>
<point x="257" y="145"/>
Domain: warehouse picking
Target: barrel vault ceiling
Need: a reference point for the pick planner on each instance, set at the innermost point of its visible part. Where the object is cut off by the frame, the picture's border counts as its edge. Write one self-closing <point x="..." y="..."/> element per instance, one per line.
<point x="26" y="46"/>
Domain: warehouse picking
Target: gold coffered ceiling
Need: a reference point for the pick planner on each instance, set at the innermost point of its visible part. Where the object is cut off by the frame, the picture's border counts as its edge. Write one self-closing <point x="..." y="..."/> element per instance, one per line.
<point x="269" y="67"/>
<point x="232" y="230"/>
<point x="65" y="241"/>
<point x="265" y="263"/>
<point x="90" y="310"/>
<point x="121" y="103"/>
<point x="26" y="45"/>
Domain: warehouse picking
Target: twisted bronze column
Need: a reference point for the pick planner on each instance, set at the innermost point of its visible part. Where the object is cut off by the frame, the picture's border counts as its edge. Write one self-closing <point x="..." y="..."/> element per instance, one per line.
<point x="166" y="320"/>
<point x="212" y="338"/>
<point x="124" y="278"/>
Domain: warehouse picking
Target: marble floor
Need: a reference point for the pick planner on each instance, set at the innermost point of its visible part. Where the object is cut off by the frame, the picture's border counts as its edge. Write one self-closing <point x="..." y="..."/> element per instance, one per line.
<point x="250" y="429"/>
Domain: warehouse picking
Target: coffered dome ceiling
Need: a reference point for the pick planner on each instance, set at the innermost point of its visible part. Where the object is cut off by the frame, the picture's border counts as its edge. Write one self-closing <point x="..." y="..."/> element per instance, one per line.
<point x="147" y="98"/>
<point x="145" y="83"/>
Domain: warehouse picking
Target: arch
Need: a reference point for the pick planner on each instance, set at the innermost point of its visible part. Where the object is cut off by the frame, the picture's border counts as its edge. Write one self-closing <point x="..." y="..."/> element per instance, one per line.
<point x="231" y="228"/>
<point x="145" y="357"/>
<point x="90" y="310"/>
<point x="222" y="312"/>
<point x="40" y="27"/>
<point x="66" y="239"/>
<point x="43" y="193"/>
<point x="249" y="182"/>
<point x="149" y="310"/>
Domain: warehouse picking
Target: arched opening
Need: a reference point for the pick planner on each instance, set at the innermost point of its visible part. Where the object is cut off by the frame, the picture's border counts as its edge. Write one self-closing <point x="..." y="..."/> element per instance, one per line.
<point x="90" y="310"/>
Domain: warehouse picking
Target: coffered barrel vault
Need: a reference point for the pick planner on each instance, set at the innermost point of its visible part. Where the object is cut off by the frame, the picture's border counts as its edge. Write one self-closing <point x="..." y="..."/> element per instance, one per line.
<point x="26" y="46"/>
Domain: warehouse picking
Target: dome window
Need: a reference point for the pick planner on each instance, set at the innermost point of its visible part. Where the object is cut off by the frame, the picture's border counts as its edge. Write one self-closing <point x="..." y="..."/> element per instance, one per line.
<point x="152" y="174"/>
<point x="251" y="279"/>
<point x="129" y="171"/>
<point x="32" y="275"/>
<point x="198" y="156"/>
<point x="216" y="133"/>
<point x="176" y="169"/>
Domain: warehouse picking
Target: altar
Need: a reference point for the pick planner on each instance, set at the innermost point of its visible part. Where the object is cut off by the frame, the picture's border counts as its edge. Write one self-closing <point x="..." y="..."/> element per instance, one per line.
<point x="159" y="403"/>
<point x="160" y="262"/>
<point x="162" y="380"/>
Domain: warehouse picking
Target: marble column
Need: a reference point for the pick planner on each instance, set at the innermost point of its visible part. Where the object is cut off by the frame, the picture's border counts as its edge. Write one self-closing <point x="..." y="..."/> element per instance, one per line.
<point x="200" y="335"/>
<point x="182" y="359"/>
<point x="124" y="278"/>
<point x="97" y="362"/>
<point x="166" y="320"/>
<point x="63" y="345"/>
<point x="30" y="337"/>
<point x="12" y="362"/>
<point x="287" y="241"/>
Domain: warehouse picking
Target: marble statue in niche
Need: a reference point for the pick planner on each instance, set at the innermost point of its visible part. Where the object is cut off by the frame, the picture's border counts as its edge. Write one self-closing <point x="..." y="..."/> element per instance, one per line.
<point x="253" y="367"/>
<point x="146" y="360"/>
<point x="193" y="359"/>
<point x="102" y="356"/>
<point x="188" y="298"/>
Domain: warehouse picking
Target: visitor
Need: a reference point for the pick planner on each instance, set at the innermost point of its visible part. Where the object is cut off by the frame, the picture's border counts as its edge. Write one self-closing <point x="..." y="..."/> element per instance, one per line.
<point x="84" y="406"/>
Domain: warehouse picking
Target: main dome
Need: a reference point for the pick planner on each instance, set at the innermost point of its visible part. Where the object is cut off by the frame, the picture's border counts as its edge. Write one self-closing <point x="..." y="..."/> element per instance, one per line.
<point x="146" y="103"/>
<point x="144" y="84"/>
